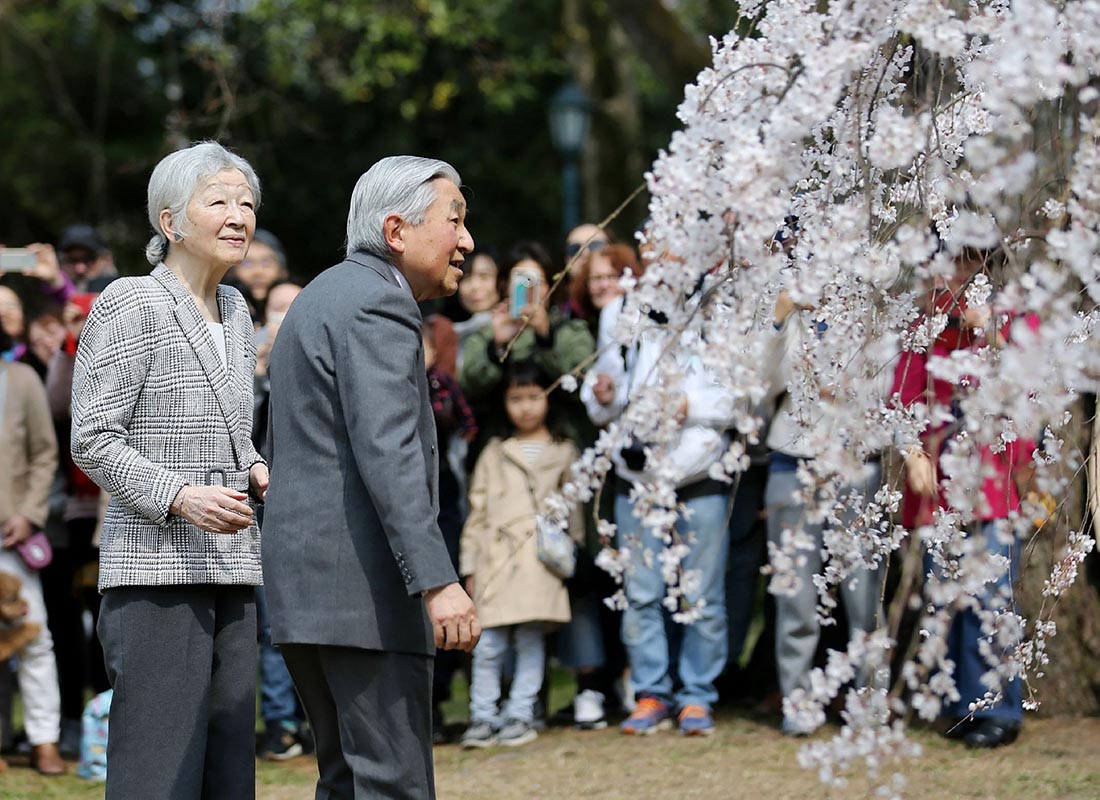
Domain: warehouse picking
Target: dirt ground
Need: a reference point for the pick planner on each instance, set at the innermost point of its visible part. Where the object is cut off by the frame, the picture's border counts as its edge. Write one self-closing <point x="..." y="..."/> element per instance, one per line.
<point x="746" y="758"/>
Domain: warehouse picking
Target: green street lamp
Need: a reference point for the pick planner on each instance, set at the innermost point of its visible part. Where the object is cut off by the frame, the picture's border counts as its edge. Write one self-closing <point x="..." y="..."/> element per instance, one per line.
<point x="570" y="111"/>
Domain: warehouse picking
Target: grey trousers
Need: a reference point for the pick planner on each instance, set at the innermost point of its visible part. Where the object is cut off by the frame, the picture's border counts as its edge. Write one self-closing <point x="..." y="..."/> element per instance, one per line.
<point x="182" y="662"/>
<point x="371" y="714"/>
<point x="796" y="627"/>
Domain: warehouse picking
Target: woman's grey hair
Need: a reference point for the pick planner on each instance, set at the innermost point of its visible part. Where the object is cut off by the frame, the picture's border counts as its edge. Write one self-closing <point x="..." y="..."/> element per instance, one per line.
<point x="398" y="185"/>
<point x="176" y="179"/>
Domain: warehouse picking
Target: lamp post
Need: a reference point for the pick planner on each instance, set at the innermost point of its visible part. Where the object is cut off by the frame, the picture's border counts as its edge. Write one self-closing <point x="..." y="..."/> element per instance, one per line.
<point x="569" y="114"/>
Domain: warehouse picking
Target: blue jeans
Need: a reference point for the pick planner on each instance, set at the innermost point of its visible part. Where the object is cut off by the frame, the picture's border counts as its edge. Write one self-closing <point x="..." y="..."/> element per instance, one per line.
<point x="704" y="645"/>
<point x="529" y="644"/>
<point x="963" y="638"/>
<point x="278" y="701"/>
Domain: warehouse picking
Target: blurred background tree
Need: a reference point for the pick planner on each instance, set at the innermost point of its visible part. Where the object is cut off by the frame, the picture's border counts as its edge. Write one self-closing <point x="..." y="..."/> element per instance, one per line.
<point x="95" y="92"/>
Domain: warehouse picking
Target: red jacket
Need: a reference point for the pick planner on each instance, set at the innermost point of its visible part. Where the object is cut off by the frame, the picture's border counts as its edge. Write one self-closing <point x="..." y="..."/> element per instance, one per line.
<point x="914" y="384"/>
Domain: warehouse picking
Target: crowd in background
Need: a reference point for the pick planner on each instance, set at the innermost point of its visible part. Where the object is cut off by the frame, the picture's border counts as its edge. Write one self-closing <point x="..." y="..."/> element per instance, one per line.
<point x="508" y="434"/>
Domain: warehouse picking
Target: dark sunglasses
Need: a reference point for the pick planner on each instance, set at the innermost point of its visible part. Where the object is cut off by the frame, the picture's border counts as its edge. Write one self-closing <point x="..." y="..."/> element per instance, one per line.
<point x="573" y="248"/>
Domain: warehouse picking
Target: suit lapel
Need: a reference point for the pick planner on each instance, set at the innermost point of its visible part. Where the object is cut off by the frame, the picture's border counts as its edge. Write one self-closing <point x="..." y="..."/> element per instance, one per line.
<point x="234" y="347"/>
<point x="198" y="335"/>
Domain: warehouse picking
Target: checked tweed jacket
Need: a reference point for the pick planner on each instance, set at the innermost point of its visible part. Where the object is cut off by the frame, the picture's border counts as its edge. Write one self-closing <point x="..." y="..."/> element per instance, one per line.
<point x="154" y="409"/>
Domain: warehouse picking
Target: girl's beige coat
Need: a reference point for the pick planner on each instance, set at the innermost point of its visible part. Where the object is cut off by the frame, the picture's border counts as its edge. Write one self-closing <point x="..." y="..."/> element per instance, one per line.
<point x="499" y="544"/>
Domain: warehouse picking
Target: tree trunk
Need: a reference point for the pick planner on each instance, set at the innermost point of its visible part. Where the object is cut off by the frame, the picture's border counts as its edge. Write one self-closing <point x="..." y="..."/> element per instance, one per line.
<point x="658" y="36"/>
<point x="1071" y="685"/>
<point x="613" y="161"/>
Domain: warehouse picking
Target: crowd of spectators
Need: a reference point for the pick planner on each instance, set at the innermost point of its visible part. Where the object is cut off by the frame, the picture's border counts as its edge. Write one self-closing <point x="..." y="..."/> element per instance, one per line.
<point x="495" y="354"/>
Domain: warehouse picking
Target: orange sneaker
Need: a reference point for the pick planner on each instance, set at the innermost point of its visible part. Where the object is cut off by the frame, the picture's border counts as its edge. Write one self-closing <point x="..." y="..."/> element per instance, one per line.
<point x="650" y="715"/>
<point x="695" y="721"/>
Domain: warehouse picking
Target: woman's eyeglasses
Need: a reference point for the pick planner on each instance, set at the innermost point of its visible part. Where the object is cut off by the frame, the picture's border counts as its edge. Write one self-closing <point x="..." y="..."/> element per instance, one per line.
<point x="573" y="248"/>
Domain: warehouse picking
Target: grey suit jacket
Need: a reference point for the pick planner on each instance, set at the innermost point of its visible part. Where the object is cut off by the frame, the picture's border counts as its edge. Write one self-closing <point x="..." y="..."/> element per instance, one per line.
<point x="351" y="538"/>
<point x="153" y="410"/>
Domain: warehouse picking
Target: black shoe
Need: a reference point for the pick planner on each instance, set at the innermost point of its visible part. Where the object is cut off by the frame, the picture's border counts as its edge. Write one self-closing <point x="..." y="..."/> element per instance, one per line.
<point x="992" y="732"/>
<point x="281" y="743"/>
<point x="69" y="743"/>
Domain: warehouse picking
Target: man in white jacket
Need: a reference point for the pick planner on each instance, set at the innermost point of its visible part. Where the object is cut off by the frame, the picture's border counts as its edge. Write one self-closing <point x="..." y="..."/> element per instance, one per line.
<point x="706" y="411"/>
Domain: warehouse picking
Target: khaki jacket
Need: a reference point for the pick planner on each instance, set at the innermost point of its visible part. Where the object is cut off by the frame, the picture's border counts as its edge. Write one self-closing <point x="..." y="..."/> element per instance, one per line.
<point x="28" y="445"/>
<point x="499" y="545"/>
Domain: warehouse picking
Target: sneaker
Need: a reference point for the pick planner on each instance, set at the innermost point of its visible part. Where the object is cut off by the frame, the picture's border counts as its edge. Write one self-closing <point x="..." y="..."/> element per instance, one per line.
<point x="588" y="711"/>
<point x="479" y="734"/>
<point x="516" y="732"/>
<point x="650" y="715"/>
<point x="281" y="742"/>
<point x="695" y="721"/>
<point x="791" y="727"/>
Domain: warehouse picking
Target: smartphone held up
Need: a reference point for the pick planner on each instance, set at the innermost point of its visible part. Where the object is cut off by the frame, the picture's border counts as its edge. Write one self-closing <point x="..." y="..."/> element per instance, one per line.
<point x="17" y="259"/>
<point x="523" y="290"/>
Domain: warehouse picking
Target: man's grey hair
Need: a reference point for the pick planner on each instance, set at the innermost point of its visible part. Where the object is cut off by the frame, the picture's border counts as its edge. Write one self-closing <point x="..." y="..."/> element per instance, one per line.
<point x="398" y="185"/>
<point x="176" y="179"/>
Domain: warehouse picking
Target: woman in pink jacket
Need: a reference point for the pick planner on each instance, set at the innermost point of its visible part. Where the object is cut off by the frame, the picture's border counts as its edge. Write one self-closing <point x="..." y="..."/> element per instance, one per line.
<point x="924" y="494"/>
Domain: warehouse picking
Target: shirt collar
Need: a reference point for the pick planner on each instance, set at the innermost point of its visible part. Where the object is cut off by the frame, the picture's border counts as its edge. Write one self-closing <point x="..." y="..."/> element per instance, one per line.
<point x="400" y="278"/>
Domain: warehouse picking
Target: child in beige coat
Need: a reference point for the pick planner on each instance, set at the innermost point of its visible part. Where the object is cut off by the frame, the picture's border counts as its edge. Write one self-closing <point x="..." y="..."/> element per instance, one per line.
<point x="516" y="596"/>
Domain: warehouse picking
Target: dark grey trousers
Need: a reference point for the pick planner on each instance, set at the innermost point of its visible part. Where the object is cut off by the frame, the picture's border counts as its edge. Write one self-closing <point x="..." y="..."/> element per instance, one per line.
<point x="371" y="715"/>
<point x="182" y="662"/>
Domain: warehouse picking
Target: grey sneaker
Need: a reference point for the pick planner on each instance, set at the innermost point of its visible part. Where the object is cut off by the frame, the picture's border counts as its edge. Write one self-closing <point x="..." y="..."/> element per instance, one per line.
<point x="479" y="734"/>
<point x="516" y="732"/>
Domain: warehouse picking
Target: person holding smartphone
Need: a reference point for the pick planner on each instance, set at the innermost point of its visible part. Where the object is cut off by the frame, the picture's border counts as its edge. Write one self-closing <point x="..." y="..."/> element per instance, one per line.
<point x="523" y="327"/>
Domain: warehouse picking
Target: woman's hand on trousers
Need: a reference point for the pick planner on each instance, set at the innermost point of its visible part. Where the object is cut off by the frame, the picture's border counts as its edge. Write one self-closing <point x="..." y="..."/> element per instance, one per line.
<point x="217" y="509"/>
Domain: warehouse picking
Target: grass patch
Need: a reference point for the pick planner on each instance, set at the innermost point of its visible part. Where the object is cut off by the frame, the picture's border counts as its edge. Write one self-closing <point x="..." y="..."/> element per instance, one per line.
<point x="747" y="757"/>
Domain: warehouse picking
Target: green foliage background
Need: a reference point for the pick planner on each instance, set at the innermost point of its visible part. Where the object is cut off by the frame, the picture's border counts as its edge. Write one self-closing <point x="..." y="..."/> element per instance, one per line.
<point x="94" y="92"/>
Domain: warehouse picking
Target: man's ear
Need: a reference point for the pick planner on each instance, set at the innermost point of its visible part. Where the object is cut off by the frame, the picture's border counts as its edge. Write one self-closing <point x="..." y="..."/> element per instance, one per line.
<point x="167" y="227"/>
<point x="393" y="231"/>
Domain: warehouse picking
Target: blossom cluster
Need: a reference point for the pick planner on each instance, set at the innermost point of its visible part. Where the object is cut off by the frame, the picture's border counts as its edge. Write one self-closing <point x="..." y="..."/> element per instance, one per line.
<point x="884" y="142"/>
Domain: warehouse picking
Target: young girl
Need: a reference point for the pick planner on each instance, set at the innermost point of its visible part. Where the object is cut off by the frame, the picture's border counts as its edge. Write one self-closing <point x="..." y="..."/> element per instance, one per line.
<point x="516" y="595"/>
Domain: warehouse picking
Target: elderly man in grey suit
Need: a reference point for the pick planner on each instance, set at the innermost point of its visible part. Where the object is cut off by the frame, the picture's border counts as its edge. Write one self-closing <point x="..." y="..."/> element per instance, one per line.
<point x="358" y="578"/>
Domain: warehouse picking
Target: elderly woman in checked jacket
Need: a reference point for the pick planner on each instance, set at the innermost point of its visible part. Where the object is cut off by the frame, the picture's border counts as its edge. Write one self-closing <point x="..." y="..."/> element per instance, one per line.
<point x="162" y="412"/>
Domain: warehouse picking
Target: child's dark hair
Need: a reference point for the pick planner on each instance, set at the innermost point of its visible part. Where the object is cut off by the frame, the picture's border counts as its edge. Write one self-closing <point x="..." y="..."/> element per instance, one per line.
<point x="525" y="373"/>
<point x="528" y="373"/>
